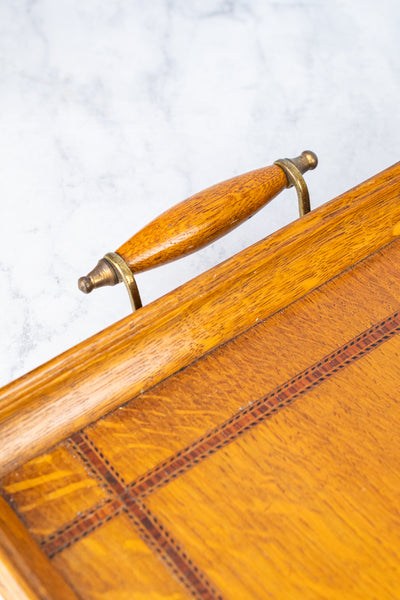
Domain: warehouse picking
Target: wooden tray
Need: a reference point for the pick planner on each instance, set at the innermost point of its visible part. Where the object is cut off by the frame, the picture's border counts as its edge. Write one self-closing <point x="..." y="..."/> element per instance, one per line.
<point x="237" y="438"/>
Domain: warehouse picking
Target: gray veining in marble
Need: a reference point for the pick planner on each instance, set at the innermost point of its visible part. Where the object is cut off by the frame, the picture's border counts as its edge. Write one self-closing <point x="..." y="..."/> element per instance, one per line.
<point x="112" y="111"/>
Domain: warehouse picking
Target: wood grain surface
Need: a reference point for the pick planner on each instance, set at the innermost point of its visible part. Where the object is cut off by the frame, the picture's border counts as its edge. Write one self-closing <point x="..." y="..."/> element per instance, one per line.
<point x="201" y="219"/>
<point x="25" y="572"/>
<point x="110" y="368"/>
<point x="269" y="468"/>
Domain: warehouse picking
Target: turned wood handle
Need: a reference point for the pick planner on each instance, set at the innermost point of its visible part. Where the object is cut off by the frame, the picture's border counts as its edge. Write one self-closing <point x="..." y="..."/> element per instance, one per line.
<point x="196" y="222"/>
<point x="206" y="216"/>
<point x="202" y="218"/>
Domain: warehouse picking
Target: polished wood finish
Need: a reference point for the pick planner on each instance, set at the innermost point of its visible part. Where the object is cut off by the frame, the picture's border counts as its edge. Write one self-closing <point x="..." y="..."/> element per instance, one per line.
<point x="268" y="468"/>
<point x="110" y="368"/>
<point x="25" y="572"/>
<point x="202" y="219"/>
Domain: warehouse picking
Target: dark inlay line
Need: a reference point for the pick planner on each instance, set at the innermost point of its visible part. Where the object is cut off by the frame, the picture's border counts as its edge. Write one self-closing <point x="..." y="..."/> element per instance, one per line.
<point x="127" y="495"/>
<point x="156" y="536"/>
<point x="98" y="462"/>
<point x="81" y="526"/>
<point x="260" y="410"/>
<point x="148" y="526"/>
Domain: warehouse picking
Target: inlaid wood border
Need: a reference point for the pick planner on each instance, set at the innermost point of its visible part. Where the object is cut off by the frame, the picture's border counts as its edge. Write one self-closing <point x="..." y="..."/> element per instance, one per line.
<point x="132" y="494"/>
<point x="258" y="411"/>
<point x="81" y="526"/>
<point x="147" y="525"/>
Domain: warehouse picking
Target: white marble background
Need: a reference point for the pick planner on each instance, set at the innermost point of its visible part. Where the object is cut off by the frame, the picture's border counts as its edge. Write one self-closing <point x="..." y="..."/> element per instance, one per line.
<point x="112" y="111"/>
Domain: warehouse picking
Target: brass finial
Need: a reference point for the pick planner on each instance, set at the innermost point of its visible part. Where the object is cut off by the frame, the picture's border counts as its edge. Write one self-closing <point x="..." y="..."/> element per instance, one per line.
<point x="294" y="169"/>
<point x="102" y="274"/>
<point x="110" y="270"/>
<point x="307" y="161"/>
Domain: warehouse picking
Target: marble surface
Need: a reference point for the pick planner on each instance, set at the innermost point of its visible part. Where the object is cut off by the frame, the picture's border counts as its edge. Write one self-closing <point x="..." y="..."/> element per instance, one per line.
<point x="112" y="111"/>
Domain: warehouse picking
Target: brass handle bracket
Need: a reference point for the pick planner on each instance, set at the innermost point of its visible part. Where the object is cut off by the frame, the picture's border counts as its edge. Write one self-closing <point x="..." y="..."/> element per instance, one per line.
<point x="294" y="169"/>
<point x="110" y="270"/>
<point x="125" y="274"/>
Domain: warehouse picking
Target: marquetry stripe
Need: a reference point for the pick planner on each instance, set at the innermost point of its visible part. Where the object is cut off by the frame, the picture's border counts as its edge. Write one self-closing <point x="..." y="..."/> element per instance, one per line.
<point x="129" y="495"/>
<point x="264" y="408"/>
<point x="98" y="463"/>
<point x="147" y="525"/>
<point x="81" y="527"/>
<point x="158" y="538"/>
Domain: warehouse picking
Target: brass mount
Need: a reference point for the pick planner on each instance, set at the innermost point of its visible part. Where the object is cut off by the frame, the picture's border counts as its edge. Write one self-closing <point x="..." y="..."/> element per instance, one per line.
<point x="110" y="270"/>
<point x="294" y="169"/>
